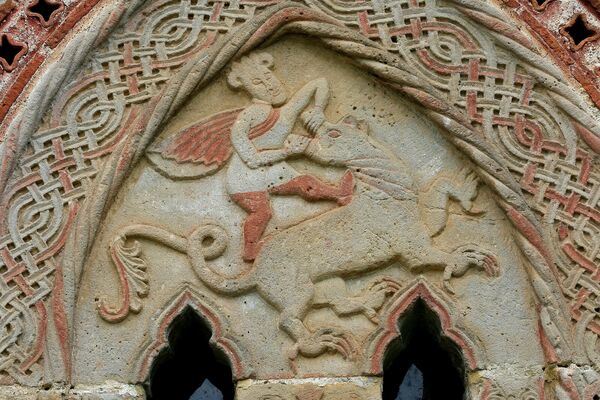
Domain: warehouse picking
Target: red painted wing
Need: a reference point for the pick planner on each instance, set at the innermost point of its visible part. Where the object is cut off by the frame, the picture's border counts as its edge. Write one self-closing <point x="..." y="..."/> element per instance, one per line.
<point x="207" y="142"/>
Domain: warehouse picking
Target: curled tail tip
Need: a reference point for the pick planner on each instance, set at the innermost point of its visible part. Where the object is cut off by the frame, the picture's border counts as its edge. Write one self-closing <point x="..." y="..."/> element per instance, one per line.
<point x="211" y="239"/>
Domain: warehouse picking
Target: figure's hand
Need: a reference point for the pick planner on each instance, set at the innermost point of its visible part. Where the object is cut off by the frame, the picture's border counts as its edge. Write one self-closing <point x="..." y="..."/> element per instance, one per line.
<point x="313" y="119"/>
<point x="296" y="144"/>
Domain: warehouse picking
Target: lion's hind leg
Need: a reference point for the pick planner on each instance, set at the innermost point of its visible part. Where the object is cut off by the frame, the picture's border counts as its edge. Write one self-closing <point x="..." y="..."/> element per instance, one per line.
<point x="311" y="344"/>
<point x="368" y="302"/>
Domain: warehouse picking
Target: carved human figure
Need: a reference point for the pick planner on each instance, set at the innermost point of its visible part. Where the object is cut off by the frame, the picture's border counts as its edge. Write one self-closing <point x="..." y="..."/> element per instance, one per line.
<point x="257" y="140"/>
<point x="262" y="138"/>
<point x="379" y="228"/>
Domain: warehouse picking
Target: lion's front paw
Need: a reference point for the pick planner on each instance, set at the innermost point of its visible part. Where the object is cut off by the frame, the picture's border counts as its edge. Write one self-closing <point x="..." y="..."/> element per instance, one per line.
<point x="466" y="257"/>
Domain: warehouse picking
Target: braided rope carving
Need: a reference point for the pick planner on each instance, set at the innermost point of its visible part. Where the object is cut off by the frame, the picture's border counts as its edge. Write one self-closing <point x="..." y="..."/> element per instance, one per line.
<point x="62" y="158"/>
<point x="517" y="104"/>
<point x="529" y="124"/>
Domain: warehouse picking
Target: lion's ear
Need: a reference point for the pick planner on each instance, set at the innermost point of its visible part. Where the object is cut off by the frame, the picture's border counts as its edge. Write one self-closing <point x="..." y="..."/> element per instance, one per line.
<point x="234" y="80"/>
<point x="350" y="120"/>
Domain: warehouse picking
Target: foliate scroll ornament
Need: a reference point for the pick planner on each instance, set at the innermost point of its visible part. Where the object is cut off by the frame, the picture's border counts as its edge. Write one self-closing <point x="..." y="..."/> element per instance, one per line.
<point x="133" y="280"/>
<point x="205" y="243"/>
<point x="375" y="195"/>
<point x="495" y="69"/>
<point x="60" y="161"/>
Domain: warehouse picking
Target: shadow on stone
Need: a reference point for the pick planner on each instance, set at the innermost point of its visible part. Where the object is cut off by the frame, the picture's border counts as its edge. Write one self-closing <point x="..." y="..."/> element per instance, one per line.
<point x="422" y="364"/>
<point x="189" y="368"/>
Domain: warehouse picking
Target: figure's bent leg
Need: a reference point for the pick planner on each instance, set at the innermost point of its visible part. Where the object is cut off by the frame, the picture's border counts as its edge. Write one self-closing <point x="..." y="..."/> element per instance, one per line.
<point x="294" y="306"/>
<point x="310" y="188"/>
<point x="258" y="207"/>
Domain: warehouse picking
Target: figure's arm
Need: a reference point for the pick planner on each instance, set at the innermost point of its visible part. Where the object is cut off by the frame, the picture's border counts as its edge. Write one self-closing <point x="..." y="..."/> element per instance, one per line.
<point x="317" y="89"/>
<point x="321" y="93"/>
<point x="289" y="113"/>
<point x="251" y="156"/>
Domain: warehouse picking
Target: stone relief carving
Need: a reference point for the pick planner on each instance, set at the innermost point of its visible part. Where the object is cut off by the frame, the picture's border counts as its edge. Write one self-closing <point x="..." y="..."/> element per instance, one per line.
<point x="222" y="338"/>
<point x="258" y="139"/>
<point x="376" y="223"/>
<point x="492" y="391"/>
<point x="365" y="389"/>
<point x="577" y="382"/>
<point x="434" y="201"/>
<point x="388" y="328"/>
<point x="58" y="166"/>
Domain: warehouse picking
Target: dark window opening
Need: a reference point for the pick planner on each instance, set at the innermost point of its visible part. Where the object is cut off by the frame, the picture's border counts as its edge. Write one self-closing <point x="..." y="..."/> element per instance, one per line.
<point x="539" y="4"/>
<point x="422" y="364"/>
<point x="45" y="9"/>
<point x="9" y="51"/>
<point x="579" y="31"/>
<point x="189" y="369"/>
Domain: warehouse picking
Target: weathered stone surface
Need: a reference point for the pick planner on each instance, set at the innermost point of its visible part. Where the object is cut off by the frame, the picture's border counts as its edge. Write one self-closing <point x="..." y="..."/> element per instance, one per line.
<point x="106" y="391"/>
<point x="310" y="389"/>
<point x="6" y="6"/>
<point x="303" y="177"/>
<point x="339" y="241"/>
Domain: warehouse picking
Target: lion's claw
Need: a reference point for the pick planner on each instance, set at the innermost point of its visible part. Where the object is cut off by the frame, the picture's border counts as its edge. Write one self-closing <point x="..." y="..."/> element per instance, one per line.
<point x="466" y="257"/>
<point x="325" y="340"/>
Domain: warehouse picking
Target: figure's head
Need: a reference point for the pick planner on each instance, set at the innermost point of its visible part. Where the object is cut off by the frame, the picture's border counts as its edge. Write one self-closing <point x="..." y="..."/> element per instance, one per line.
<point x="253" y="74"/>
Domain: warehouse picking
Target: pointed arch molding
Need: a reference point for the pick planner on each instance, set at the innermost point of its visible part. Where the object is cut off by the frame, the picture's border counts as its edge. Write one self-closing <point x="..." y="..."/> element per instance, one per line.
<point x="389" y="328"/>
<point x="512" y="113"/>
<point x="221" y="337"/>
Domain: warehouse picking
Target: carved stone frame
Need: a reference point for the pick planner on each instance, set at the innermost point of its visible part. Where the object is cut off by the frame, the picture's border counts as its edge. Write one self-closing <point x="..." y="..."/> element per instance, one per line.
<point x="287" y="17"/>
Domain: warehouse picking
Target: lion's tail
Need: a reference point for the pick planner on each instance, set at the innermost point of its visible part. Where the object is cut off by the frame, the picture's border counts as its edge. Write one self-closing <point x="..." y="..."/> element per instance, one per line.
<point x="207" y="242"/>
<point x="236" y="285"/>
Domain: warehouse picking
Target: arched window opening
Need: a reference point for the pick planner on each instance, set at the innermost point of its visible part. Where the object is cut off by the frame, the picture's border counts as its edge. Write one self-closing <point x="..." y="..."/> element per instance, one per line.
<point x="423" y="364"/>
<point x="189" y="369"/>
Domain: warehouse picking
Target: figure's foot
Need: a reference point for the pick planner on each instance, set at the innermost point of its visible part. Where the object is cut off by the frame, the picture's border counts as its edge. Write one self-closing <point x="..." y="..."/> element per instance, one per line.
<point x="249" y="254"/>
<point x="369" y="302"/>
<point x="325" y="340"/>
<point x="251" y="250"/>
<point x="466" y="257"/>
<point x="346" y="189"/>
<point x="312" y="189"/>
<point x="258" y="207"/>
